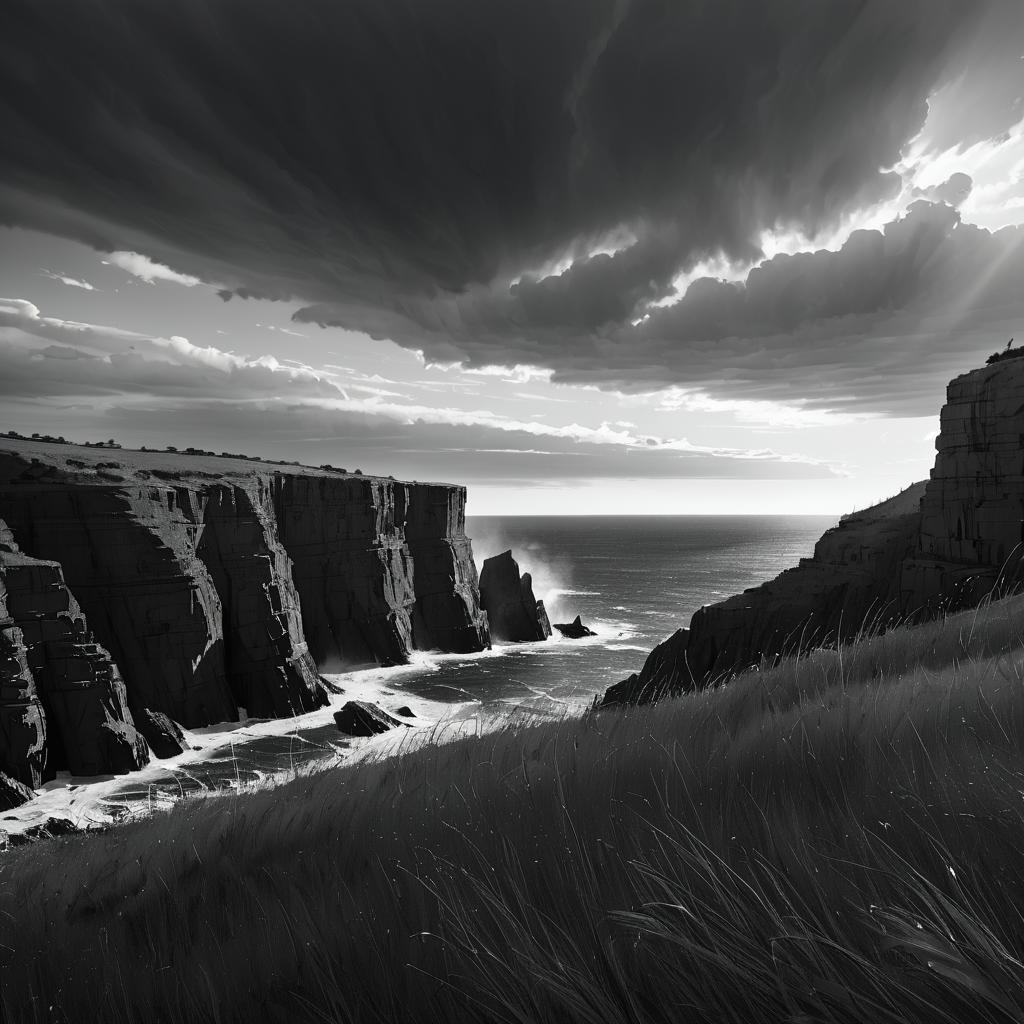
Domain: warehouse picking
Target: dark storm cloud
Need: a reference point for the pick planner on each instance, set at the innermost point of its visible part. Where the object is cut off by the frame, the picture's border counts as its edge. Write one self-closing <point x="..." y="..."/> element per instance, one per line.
<point x="401" y="167"/>
<point x="878" y="326"/>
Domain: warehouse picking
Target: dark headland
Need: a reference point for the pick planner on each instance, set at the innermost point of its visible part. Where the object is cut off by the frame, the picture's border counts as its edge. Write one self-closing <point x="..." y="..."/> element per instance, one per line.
<point x="142" y="583"/>
<point x="831" y="837"/>
<point x="938" y="546"/>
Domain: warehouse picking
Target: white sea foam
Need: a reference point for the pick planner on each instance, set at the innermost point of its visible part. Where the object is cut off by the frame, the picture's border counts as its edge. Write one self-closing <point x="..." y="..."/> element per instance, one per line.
<point x="102" y="800"/>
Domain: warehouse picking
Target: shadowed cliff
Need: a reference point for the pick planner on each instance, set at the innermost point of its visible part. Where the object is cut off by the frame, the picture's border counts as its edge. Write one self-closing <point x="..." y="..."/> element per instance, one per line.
<point x="216" y="586"/>
<point x="938" y="546"/>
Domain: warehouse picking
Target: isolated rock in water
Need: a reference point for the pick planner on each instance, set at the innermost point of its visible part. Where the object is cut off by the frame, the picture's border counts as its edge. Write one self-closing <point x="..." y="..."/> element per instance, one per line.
<point x="664" y="673"/>
<point x="512" y="610"/>
<point x="163" y="734"/>
<point x="13" y="793"/>
<point x="574" y="630"/>
<point x="358" y="718"/>
<point x="406" y="712"/>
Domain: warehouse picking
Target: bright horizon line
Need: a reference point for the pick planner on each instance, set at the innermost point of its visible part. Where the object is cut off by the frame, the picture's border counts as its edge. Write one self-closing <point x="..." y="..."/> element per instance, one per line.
<point x="654" y="515"/>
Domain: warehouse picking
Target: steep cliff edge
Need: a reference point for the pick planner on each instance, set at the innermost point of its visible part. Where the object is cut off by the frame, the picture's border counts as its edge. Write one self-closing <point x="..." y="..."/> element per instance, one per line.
<point x="217" y="584"/>
<point x="62" y="699"/>
<point x="382" y="567"/>
<point x="972" y="515"/>
<point x="940" y="544"/>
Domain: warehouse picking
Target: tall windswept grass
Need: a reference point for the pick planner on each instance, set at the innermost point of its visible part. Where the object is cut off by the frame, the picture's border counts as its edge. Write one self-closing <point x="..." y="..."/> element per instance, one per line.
<point x="838" y="839"/>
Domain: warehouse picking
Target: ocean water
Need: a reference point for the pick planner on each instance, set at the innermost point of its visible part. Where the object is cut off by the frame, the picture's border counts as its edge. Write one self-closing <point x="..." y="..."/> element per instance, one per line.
<point x="633" y="579"/>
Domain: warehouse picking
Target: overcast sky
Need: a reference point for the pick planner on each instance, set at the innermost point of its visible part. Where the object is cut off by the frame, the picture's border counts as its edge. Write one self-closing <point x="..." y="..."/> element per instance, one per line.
<point x="583" y="256"/>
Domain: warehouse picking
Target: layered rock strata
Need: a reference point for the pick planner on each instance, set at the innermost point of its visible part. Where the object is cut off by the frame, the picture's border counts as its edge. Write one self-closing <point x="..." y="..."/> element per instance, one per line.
<point x="62" y="700"/>
<point x="514" y="613"/>
<point x="382" y="567"/>
<point x="942" y="544"/>
<point x="219" y="585"/>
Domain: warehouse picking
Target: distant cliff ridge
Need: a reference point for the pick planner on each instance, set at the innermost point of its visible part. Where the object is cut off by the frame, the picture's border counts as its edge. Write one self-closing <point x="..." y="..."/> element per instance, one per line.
<point x="943" y="543"/>
<point x="198" y="586"/>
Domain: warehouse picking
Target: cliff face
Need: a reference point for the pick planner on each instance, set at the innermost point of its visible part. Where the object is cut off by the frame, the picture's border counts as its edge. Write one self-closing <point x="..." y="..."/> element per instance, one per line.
<point x="943" y="543"/>
<point x="972" y="515"/>
<point x="214" y="586"/>
<point x="447" y="613"/>
<point x="62" y="700"/>
<point x="382" y="567"/>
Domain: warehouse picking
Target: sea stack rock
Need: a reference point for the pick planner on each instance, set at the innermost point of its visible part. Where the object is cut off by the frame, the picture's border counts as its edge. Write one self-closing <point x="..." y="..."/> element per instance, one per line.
<point x="942" y="544"/>
<point x="574" y="630"/>
<point x="513" y="613"/>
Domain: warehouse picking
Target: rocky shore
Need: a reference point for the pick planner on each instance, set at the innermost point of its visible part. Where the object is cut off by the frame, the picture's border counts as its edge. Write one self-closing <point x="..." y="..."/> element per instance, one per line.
<point x="138" y="585"/>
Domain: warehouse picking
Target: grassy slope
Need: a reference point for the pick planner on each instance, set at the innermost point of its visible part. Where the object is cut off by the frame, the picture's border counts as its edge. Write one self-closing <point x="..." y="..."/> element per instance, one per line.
<point x="838" y="839"/>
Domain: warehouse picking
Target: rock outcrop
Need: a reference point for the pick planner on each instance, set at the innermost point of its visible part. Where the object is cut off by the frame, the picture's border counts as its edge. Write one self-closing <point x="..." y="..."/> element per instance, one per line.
<point x="513" y="612"/>
<point x="664" y="672"/>
<point x="574" y="630"/>
<point x="215" y="585"/>
<point x="163" y="735"/>
<point x="382" y="568"/>
<point x="13" y="793"/>
<point x="853" y="582"/>
<point x="62" y="699"/>
<point x="942" y="544"/>
<point x="358" y="718"/>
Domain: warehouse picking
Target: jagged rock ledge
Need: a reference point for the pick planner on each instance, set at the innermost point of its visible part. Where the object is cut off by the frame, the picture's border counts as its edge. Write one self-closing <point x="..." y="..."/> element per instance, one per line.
<point x="942" y="544"/>
<point x="135" y="585"/>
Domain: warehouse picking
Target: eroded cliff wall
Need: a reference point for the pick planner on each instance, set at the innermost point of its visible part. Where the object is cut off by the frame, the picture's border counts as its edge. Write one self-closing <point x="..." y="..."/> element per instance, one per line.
<point x="972" y="514"/>
<point x="941" y="544"/>
<point x="218" y="585"/>
<point x="382" y="567"/>
<point x="62" y="700"/>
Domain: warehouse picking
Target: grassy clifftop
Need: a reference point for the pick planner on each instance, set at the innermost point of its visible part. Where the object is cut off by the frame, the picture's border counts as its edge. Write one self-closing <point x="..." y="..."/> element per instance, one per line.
<point x="837" y="839"/>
